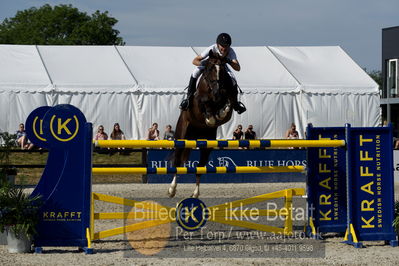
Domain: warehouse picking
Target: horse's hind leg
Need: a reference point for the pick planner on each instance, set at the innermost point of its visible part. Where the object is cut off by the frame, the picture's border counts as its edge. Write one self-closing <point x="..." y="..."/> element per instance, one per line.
<point x="181" y="155"/>
<point x="173" y="184"/>
<point x="196" y="192"/>
<point x="203" y="161"/>
<point x="172" y="189"/>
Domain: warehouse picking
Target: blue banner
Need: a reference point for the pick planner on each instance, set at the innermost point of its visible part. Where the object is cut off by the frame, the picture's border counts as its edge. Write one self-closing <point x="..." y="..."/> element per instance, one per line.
<point x="326" y="182"/>
<point x="371" y="183"/>
<point x="243" y="157"/>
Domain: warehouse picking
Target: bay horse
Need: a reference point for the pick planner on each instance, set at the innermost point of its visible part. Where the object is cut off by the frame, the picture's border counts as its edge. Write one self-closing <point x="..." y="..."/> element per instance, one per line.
<point x="210" y="108"/>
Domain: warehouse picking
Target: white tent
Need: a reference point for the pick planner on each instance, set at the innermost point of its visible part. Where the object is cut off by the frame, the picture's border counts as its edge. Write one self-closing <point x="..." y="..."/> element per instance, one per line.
<point x="137" y="85"/>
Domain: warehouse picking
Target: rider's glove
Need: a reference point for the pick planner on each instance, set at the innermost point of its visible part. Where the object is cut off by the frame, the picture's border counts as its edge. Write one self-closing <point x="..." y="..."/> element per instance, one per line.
<point x="227" y="60"/>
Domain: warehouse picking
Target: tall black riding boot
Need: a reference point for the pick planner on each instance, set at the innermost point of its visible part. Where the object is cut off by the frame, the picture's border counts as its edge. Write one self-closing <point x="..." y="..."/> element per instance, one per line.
<point x="190" y="93"/>
<point x="237" y="106"/>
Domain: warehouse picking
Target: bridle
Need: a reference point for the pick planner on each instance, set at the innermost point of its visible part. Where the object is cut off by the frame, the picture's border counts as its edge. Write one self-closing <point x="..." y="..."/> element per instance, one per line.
<point x="211" y="82"/>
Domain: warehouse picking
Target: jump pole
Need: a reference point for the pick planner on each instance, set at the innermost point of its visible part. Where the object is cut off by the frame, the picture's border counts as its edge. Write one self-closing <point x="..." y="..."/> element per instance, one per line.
<point x="199" y="170"/>
<point x="190" y="144"/>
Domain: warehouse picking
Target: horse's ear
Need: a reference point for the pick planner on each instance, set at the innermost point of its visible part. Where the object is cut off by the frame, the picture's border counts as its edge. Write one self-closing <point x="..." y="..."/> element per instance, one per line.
<point x="211" y="54"/>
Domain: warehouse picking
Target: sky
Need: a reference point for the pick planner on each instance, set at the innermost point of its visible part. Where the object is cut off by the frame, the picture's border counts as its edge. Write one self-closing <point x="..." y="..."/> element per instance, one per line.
<point x="355" y="25"/>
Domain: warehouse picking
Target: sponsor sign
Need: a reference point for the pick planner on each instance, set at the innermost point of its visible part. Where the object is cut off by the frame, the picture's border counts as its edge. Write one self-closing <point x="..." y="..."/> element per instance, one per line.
<point x="370" y="183"/>
<point x="327" y="197"/>
<point x="243" y="157"/>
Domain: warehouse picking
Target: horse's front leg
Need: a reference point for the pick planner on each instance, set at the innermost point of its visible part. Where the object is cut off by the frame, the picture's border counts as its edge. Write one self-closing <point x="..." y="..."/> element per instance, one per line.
<point x="209" y="117"/>
<point x="196" y="192"/>
<point x="222" y="113"/>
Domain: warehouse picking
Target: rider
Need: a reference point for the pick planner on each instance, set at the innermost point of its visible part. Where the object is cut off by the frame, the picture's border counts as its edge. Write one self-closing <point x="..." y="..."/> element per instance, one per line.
<point x="223" y="49"/>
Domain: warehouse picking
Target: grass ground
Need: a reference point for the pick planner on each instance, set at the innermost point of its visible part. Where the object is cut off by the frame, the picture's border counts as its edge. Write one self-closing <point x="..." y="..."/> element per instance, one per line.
<point x="30" y="176"/>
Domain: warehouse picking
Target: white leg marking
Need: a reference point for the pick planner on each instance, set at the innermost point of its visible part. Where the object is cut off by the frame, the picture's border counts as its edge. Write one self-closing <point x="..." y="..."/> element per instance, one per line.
<point x="172" y="188"/>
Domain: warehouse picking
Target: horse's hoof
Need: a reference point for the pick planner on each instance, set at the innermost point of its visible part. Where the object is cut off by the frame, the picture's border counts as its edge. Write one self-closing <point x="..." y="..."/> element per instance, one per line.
<point x="171" y="192"/>
<point x="222" y="113"/>
<point x="196" y="196"/>
<point x="210" y="121"/>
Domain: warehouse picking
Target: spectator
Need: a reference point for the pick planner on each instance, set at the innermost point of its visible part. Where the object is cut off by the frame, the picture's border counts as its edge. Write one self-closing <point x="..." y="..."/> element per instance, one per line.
<point x="117" y="133"/>
<point x="385" y="123"/>
<point x="22" y="139"/>
<point x="101" y="135"/>
<point x="249" y="133"/>
<point x="153" y="132"/>
<point x="169" y="133"/>
<point x="238" y="133"/>
<point x="292" y="133"/>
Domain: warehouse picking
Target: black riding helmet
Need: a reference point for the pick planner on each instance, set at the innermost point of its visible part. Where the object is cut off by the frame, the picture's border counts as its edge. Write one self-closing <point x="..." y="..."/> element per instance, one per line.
<point x="224" y="39"/>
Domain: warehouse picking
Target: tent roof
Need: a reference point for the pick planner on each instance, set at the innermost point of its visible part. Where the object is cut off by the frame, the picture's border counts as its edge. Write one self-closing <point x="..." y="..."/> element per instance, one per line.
<point x="324" y="68"/>
<point x="261" y="70"/>
<point x="21" y="66"/>
<point x="81" y="67"/>
<point x="167" y="69"/>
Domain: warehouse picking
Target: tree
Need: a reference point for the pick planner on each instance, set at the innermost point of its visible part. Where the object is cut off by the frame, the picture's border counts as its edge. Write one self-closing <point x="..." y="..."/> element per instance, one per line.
<point x="376" y="75"/>
<point x="59" y="25"/>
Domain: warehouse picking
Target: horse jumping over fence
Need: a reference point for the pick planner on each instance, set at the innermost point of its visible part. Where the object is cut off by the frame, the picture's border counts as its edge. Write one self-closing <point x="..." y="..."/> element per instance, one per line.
<point x="211" y="108"/>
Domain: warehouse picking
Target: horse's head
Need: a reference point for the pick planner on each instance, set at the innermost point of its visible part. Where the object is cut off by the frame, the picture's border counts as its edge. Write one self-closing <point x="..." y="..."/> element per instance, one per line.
<point x="213" y="91"/>
<point x="215" y="75"/>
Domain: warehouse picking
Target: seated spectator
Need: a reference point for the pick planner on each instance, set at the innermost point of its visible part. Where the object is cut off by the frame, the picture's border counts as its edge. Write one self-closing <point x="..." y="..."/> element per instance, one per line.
<point x="153" y="132"/>
<point x="385" y="123"/>
<point x="292" y="133"/>
<point x="238" y="133"/>
<point x="249" y="133"/>
<point x="22" y="139"/>
<point x="101" y="135"/>
<point x="169" y="133"/>
<point x="117" y="133"/>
